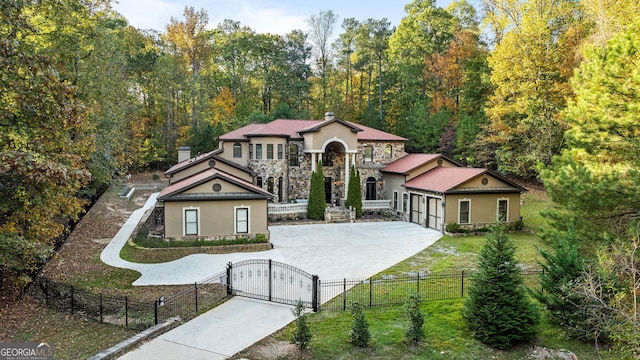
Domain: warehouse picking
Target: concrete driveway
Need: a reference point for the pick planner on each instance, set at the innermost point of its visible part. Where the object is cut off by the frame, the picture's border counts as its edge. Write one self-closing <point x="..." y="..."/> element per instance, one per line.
<point x="331" y="251"/>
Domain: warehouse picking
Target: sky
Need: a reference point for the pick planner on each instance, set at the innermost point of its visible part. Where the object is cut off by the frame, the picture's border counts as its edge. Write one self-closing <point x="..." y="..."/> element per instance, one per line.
<point x="263" y="16"/>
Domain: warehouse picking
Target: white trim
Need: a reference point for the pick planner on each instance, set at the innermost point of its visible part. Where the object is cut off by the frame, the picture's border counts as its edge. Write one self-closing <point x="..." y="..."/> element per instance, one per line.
<point x="469" y="219"/>
<point x="184" y="220"/>
<point x="335" y="139"/>
<point x="235" y="219"/>
<point x="498" y="209"/>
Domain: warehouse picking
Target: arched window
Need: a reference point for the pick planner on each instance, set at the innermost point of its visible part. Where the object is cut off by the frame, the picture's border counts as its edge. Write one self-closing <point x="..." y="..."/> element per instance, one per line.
<point x="293" y="155"/>
<point x="388" y="151"/>
<point x="237" y="150"/>
<point x="270" y="185"/>
<point x="370" y="189"/>
<point x="368" y="154"/>
<point x="259" y="181"/>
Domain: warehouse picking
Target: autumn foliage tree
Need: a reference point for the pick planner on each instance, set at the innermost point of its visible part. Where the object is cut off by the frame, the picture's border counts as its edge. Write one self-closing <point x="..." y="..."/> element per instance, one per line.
<point x="43" y="143"/>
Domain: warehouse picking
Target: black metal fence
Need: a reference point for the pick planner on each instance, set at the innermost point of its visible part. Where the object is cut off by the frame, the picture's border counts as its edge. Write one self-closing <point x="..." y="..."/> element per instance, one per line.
<point x="128" y="312"/>
<point x="394" y="289"/>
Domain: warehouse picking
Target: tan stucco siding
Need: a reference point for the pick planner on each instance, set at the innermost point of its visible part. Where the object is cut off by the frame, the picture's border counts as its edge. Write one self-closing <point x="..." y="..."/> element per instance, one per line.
<point x="492" y="182"/>
<point x="227" y="152"/>
<point x="207" y="188"/>
<point x="393" y="182"/>
<point x="186" y="172"/>
<point x="328" y="133"/>
<point x="215" y="218"/>
<point x="484" y="207"/>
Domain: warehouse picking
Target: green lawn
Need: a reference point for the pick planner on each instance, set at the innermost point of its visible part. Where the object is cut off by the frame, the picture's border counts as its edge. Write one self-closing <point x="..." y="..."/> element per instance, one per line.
<point x="447" y="336"/>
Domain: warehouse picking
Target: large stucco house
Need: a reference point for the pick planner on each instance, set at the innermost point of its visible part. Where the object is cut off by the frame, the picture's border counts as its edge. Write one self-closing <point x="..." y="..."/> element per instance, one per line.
<point x="225" y="193"/>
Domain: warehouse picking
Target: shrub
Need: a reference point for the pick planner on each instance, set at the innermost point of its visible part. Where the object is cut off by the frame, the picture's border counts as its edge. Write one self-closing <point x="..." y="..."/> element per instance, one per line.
<point x="155" y="176"/>
<point x="317" y="204"/>
<point x="359" y="335"/>
<point x="415" y="330"/>
<point x="302" y="333"/>
<point x="452" y="227"/>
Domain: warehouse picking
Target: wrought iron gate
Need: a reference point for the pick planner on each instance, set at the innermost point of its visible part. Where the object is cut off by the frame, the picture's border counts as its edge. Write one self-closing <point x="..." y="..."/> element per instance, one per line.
<point x="272" y="281"/>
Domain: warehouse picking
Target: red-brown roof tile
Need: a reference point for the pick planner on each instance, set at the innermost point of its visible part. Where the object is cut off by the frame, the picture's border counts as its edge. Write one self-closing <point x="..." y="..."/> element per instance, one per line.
<point x="443" y="179"/>
<point x="205" y="176"/>
<point x="292" y="128"/>
<point x="407" y="163"/>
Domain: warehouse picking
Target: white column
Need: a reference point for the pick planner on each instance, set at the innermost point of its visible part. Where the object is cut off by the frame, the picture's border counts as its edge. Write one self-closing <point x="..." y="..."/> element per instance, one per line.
<point x="313" y="162"/>
<point x="347" y="169"/>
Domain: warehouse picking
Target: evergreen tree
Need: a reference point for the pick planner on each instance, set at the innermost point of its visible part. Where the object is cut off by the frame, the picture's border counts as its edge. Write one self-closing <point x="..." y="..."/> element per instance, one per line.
<point x="302" y="334"/>
<point x="498" y="309"/>
<point x="562" y="269"/>
<point x="354" y="197"/>
<point x="359" y="335"/>
<point x="316" y="204"/>
<point x="415" y="329"/>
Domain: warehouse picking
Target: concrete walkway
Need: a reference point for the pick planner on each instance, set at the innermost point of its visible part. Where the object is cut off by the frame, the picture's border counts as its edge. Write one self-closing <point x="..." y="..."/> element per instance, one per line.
<point x="331" y="251"/>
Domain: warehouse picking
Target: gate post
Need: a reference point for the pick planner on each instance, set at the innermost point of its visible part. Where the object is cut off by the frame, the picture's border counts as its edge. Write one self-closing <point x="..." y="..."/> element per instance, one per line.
<point x="229" y="284"/>
<point x="314" y="296"/>
<point x="270" y="280"/>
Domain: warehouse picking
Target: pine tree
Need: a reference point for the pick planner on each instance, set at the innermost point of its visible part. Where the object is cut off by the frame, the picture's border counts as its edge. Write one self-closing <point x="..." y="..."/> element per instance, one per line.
<point x="498" y="310"/>
<point x="302" y="334"/>
<point x="415" y="329"/>
<point x="316" y="204"/>
<point x="354" y="197"/>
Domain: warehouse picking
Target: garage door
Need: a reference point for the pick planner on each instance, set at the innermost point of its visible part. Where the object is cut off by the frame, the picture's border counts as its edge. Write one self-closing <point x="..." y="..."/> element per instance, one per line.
<point x="434" y="213"/>
<point x="416" y="208"/>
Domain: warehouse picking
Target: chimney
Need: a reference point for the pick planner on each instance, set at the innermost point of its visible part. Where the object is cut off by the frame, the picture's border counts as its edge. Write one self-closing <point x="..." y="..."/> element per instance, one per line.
<point x="329" y="115"/>
<point x="184" y="153"/>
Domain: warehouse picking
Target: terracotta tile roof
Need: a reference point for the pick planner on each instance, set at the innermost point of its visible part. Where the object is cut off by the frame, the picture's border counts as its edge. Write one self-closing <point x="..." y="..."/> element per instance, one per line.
<point x="203" y="157"/>
<point x="405" y="164"/>
<point x="293" y="128"/>
<point x="443" y="179"/>
<point x="204" y="176"/>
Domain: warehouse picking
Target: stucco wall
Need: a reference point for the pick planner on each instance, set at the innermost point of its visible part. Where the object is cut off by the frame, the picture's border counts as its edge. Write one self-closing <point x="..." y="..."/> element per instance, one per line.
<point x="217" y="218"/>
<point x="484" y="207"/>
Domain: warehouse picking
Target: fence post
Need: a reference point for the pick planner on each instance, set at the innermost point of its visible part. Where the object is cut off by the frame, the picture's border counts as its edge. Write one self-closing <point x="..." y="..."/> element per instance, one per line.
<point x="126" y="311"/>
<point x="229" y="284"/>
<point x="100" y="308"/>
<point x="370" y="291"/>
<point x="72" y="299"/>
<point x="195" y="286"/>
<point x="270" y="280"/>
<point x="155" y="312"/>
<point x="462" y="290"/>
<point x="418" y="284"/>
<point x="46" y="292"/>
<point x="542" y="288"/>
<point x="314" y="296"/>
<point x="344" y="294"/>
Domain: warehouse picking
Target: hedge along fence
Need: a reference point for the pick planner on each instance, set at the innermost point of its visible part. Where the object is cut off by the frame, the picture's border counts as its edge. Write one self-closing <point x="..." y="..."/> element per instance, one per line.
<point x="395" y="289"/>
<point x="125" y="311"/>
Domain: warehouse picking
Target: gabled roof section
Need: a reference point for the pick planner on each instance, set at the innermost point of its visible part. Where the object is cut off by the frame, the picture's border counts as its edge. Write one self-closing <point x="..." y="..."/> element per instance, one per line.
<point x="293" y="129"/>
<point x="447" y="179"/>
<point x="204" y="157"/>
<point x="316" y="127"/>
<point x="409" y="162"/>
<point x="183" y="185"/>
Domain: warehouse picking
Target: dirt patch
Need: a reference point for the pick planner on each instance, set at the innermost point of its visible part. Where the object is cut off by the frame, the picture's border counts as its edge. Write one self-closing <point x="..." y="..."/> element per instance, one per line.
<point x="270" y="348"/>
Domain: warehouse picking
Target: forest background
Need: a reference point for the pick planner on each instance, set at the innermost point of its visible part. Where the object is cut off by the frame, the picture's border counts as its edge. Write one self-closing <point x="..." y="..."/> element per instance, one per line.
<point x="525" y="87"/>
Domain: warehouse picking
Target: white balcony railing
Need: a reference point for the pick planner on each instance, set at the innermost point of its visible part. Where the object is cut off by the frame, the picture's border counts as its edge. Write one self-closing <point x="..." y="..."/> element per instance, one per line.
<point x="277" y="209"/>
<point x="376" y="204"/>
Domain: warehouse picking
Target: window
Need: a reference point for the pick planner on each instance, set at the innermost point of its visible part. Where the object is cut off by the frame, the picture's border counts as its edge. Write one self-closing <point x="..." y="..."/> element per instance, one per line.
<point x="503" y="210"/>
<point x="270" y="185"/>
<point x="327" y="158"/>
<point x="280" y="151"/>
<point x="242" y="220"/>
<point x="237" y="150"/>
<point x="405" y="202"/>
<point x="395" y="200"/>
<point x="388" y="151"/>
<point x="258" y="151"/>
<point x="269" y="151"/>
<point x="293" y="155"/>
<point x="259" y="181"/>
<point x="191" y="222"/>
<point x="464" y="207"/>
<point x="250" y="151"/>
<point x="368" y="154"/>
